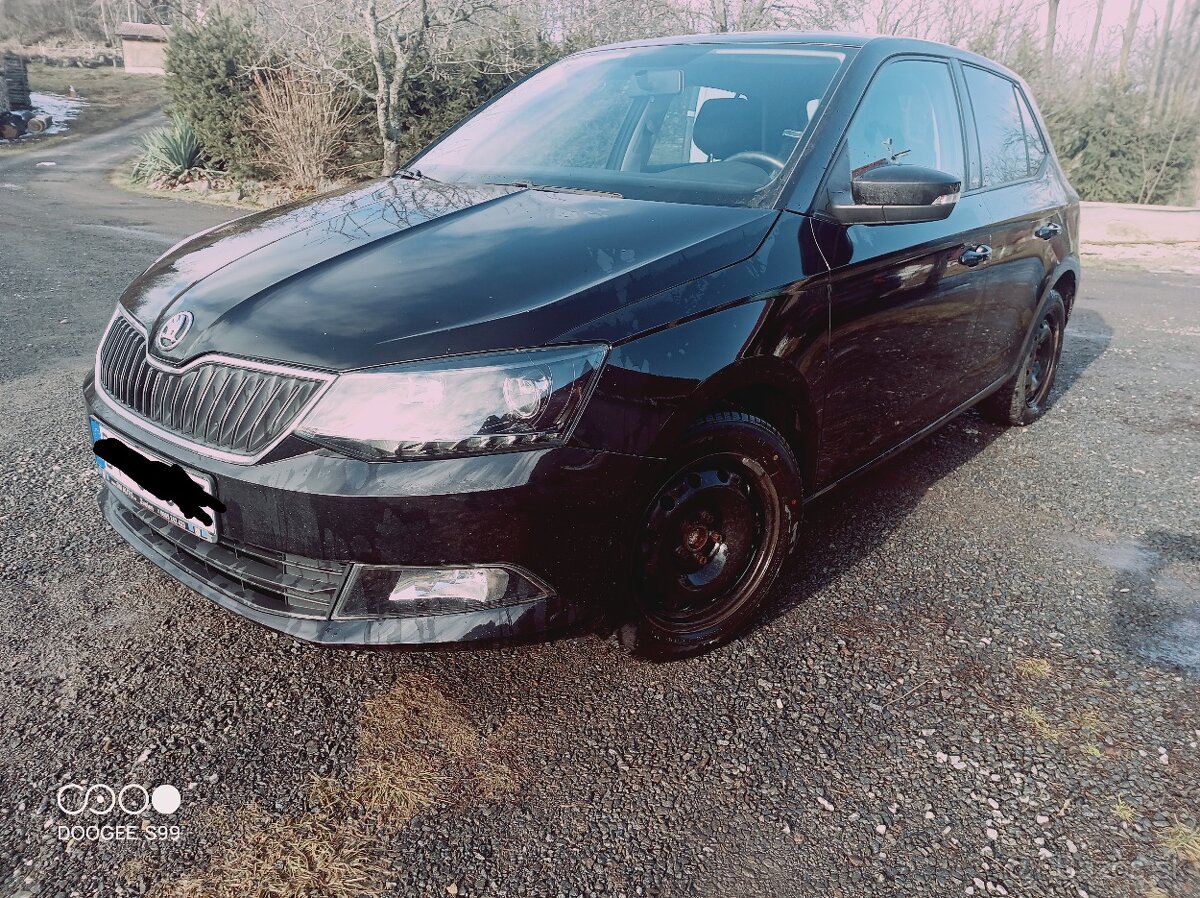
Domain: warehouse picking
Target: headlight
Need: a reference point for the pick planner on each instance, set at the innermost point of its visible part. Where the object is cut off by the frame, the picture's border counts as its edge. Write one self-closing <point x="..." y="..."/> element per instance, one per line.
<point x="489" y="402"/>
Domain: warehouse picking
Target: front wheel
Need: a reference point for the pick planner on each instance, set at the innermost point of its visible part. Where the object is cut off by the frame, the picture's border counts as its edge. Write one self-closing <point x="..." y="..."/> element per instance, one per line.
<point x="1024" y="397"/>
<point x="714" y="538"/>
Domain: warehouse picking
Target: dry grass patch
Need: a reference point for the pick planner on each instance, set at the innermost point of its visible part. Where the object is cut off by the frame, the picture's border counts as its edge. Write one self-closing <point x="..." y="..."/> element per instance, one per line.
<point x="415" y="711"/>
<point x="134" y="869"/>
<point x="305" y="856"/>
<point x="415" y="749"/>
<point x="1183" y="841"/>
<point x="1036" y="721"/>
<point x="1033" y="668"/>
<point x="394" y="788"/>
<point x="1090" y="722"/>
<point x="1124" y="811"/>
<point x="493" y="779"/>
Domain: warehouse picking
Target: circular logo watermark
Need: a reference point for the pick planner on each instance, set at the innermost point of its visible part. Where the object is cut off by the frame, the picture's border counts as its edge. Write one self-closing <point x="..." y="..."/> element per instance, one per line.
<point x="74" y="799"/>
<point x="165" y="799"/>
<point x="99" y="809"/>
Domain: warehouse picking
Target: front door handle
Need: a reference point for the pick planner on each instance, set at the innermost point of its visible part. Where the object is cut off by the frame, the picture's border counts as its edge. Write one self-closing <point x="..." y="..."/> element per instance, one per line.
<point x="976" y="255"/>
<point x="1048" y="231"/>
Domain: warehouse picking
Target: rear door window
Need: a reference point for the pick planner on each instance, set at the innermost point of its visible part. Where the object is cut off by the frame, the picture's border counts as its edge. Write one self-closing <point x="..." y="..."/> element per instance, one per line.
<point x="1003" y="148"/>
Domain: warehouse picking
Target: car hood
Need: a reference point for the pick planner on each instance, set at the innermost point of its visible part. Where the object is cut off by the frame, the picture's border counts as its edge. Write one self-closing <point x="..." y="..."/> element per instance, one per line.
<point x="401" y="270"/>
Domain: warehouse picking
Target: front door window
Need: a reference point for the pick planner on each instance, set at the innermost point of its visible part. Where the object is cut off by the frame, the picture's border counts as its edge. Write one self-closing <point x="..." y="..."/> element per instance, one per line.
<point x="908" y="117"/>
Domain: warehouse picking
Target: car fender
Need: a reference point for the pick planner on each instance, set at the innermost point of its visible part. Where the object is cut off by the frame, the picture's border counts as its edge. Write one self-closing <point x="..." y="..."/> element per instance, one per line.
<point x="654" y="387"/>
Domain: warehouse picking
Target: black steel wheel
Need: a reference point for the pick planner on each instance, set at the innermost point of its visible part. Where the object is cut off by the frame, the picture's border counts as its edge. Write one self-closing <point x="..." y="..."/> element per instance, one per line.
<point x="1024" y="397"/>
<point x="1040" y="362"/>
<point x="714" y="537"/>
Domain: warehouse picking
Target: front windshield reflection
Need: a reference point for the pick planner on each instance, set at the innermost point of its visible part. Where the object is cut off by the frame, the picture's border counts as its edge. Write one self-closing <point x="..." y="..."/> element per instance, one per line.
<point x="698" y="123"/>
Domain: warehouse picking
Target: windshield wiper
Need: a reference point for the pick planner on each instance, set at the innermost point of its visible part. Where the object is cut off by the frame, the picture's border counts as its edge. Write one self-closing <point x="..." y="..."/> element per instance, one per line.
<point x="412" y="174"/>
<point x="553" y="188"/>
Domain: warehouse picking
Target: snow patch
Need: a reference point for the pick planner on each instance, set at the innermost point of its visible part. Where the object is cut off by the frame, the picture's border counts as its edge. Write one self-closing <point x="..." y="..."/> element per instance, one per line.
<point x="61" y="110"/>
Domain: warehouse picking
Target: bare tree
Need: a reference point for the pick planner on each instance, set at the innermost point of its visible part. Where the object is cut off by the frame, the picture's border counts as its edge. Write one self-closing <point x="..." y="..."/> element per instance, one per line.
<point x="1161" y="52"/>
<point x="1176" y="66"/>
<point x="1186" y="67"/>
<point x="1095" y="38"/>
<point x="1130" y="33"/>
<point x="1051" y="32"/>
<point x="720" y="16"/>
<point x="589" y="23"/>
<point x="402" y="39"/>
<point x="910" y="17"/>
<point x="744" y="15"/>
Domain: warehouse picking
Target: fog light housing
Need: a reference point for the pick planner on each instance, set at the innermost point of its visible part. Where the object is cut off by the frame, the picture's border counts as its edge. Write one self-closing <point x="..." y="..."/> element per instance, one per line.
<point x="376" y="591"/>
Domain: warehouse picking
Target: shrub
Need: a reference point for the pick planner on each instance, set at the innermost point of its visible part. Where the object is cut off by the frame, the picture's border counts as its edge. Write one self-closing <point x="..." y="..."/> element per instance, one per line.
<point x="430" y="102"/>
<point x="301" y="127"/>
<point x="1116" y="147"/>
<point x="210" y="82"/>
<point x="169" y="156"/>
<point x="445" y="94"/>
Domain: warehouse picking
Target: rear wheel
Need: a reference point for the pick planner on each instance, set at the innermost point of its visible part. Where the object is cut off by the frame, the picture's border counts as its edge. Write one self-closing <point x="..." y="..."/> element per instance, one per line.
<point x="714" y="538"/>
<point x="1024" y="397"/>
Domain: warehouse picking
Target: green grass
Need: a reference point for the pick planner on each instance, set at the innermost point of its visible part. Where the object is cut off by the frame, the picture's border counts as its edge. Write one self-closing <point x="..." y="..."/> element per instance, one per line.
<point x="112" y="95"/>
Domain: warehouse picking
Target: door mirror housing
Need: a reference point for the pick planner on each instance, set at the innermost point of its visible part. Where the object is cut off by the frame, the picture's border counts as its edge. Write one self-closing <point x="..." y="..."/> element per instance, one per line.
<point x="895" y="194"/>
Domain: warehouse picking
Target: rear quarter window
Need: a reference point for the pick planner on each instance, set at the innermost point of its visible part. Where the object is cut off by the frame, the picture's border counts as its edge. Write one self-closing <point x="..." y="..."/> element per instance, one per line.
<point x="1035" y="144"/>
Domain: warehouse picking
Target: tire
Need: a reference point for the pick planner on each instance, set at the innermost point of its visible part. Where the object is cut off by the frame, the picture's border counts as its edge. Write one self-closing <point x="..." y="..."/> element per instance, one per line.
<point x="713" y="539"/>
<point x="1025" y="396"/>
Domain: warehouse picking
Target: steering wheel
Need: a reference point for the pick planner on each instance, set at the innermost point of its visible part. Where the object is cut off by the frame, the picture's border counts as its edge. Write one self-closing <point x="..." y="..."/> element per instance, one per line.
<point x="765" y="161"/>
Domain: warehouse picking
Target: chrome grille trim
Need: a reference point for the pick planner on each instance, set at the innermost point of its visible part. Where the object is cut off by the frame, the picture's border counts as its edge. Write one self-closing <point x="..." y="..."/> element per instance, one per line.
<point x="193" y="405"/>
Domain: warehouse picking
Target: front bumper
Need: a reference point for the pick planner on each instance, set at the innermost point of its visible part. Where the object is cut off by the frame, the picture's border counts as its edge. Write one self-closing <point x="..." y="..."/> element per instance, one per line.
<point x="301" y="522"/>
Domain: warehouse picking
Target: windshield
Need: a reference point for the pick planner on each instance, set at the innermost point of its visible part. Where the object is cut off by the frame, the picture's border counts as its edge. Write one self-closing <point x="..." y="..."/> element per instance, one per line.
<point x="697" y="123"/>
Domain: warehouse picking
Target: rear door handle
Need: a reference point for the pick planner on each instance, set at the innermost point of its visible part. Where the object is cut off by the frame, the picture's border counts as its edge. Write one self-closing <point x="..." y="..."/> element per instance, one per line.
<point x="1048" y="231"/>
<point x="976" y="255"/>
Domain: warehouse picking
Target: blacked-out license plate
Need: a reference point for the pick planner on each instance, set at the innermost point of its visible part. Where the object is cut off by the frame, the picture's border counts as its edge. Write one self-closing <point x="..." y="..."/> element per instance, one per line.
<point x="164" y="508"/>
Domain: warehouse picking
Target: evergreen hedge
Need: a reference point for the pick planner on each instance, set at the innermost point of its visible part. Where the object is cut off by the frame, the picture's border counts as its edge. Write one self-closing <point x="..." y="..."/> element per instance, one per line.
<point x="210" y="83"/>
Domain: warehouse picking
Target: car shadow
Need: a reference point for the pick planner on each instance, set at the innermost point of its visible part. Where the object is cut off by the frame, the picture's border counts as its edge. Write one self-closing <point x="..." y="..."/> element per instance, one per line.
<point x="846" y="526"/>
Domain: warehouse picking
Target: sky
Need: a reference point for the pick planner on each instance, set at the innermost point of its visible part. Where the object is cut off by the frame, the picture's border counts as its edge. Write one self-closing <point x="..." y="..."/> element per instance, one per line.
<point x="1075" y="18"/>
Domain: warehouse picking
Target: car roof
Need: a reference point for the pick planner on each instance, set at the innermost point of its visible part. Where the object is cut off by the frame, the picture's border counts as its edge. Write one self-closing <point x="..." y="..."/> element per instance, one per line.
<point x="885" y="44"/>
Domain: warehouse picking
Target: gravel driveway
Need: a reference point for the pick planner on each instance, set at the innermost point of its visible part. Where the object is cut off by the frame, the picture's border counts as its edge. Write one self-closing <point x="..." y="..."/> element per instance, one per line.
<point x="981" y="675"/>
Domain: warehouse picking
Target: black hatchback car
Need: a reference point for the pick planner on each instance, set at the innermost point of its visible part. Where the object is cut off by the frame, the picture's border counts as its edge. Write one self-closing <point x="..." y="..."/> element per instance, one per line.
<point x="591" y="352"/>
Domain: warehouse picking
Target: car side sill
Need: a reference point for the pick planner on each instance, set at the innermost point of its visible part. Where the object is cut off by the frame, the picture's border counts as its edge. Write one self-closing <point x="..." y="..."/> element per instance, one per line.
<point x="915" y="438"/>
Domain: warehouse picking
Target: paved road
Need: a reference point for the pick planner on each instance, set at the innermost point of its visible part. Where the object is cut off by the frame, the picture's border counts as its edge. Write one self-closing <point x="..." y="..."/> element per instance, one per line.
<point x="981" y="675"/>
<point x="70" y="243"/>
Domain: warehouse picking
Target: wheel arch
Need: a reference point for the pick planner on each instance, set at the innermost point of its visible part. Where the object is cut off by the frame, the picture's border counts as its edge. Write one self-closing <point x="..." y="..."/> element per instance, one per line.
<point x="765" y="387"/>
<point x="1065" y="279"/>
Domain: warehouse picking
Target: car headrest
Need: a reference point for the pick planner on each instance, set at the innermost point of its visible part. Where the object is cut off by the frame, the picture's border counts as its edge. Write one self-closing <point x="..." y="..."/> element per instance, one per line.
<point x="726" y="125"/>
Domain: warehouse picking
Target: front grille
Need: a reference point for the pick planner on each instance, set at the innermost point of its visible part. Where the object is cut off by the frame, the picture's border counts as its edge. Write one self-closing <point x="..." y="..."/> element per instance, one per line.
<point x="273" y="581"/>
<point x="218" y="405"/>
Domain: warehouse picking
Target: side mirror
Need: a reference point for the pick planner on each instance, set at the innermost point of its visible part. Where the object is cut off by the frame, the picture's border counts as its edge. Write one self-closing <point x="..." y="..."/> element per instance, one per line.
<point x="892" y="194"/>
